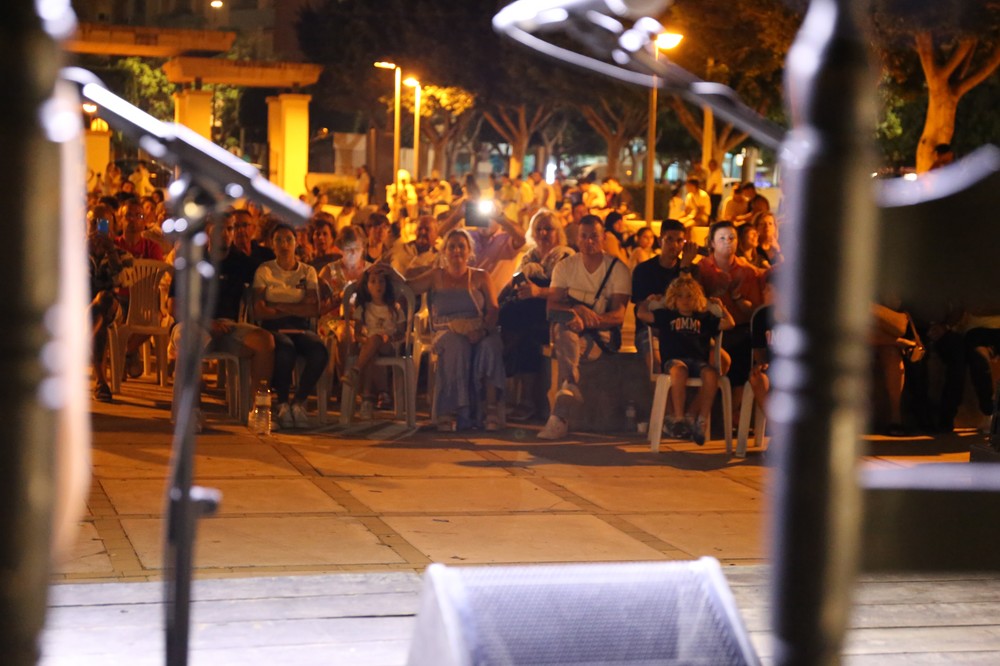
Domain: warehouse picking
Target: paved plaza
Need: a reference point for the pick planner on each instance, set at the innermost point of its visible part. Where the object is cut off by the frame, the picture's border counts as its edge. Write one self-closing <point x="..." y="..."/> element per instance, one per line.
<point x="316" y="553"/>
<point x="379" y="498"/>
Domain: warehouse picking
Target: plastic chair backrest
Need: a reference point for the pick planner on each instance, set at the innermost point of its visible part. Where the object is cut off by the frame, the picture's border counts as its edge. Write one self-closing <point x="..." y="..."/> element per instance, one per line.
<point x="144" y="292"/>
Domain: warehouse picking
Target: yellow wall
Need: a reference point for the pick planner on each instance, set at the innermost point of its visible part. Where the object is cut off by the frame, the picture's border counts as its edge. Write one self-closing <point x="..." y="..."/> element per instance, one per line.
<point x="288" y="136"/>
<point x="193" y="109"/>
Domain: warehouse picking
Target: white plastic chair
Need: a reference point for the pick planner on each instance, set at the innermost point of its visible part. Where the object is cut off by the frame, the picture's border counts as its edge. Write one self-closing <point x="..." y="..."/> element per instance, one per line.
<point x="748" y="408"/>
<point x="404" y="373"/>
<point x="662" y="392"/>
<point x="143" y="318"/>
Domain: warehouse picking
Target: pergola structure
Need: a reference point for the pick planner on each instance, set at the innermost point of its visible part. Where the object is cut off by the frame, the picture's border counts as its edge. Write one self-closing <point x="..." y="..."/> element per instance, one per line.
<point x="288" y="112"/>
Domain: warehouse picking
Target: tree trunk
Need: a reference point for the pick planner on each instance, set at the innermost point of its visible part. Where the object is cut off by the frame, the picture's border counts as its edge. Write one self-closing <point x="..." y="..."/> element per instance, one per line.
<point x="944" y="88"/>
<point x="515" y="126"/>
<point x="939" y="126"/>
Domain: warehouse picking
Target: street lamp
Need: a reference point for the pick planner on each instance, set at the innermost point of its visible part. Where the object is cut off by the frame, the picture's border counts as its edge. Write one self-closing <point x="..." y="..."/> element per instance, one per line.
<point x="664" y="42"/>
<point x="413" y="83"/>
<point x="395" y="120"/>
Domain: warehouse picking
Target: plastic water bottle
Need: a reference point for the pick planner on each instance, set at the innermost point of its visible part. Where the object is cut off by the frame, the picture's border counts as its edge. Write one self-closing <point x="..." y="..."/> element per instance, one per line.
<point x="259" y="420"/>
<point x="630" y="424"/>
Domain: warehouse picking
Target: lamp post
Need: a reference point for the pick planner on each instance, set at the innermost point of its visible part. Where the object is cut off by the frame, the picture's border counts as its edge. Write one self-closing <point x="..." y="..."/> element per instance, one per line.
<point x="413" y="83"/>
<point x="664" y="42"/>
<point x="395" y="120"/>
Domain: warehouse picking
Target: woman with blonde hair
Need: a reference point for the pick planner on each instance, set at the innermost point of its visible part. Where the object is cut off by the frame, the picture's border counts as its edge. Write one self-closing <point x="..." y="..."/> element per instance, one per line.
<point x="523" y="326"/>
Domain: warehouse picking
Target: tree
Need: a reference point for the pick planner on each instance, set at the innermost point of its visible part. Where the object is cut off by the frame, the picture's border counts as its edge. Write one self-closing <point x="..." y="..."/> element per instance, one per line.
<point x="446" y="112"/>
<point x="618" y="117"/>
<point x="146" y="86"/>
<point x="741" y="43"/>
<point x="957" y="46"/>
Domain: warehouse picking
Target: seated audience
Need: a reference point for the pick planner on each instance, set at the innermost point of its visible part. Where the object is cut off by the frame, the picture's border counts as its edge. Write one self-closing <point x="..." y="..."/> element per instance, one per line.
<point x="523" y="325"/>
<point x="653" y="276"/>
<point x="377" y="328"/>
<point x="587" y="300"/>
<point x="686" y="325"/>
<point x="324" y="236"/>
<point x="734" y="281"/>
<point x="286" y="299"/>
<point x="697" y="205"/>
<point x="228" y="332"/>
<point x="645" y="247"/>
<point x="767" y="238"/>
<point x="106" y="263"/>
<point x="415" y="257"/>
<point x="469" y="375"/>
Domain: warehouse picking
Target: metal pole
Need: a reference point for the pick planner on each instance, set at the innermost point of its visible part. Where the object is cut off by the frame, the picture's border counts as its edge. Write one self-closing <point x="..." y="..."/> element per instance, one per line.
<point x="395" y="138"/>
<point x="651" y="152"/>
<point x="820" y="370"/>
<point x="416" y="133"/>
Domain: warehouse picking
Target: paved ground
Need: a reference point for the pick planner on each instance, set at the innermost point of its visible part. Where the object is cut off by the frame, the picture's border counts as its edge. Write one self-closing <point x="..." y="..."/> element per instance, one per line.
<point x="378" y="498"/>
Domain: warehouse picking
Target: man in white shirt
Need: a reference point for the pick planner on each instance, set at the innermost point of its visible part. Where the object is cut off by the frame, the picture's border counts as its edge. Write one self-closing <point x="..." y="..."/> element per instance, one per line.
<point x="421" y="253"/>
<point x="587" y="300"/>
<point x="697" y="205"/>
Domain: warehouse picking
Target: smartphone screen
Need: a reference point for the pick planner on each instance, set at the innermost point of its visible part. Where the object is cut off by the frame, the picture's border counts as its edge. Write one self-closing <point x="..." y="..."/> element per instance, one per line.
<point x="103" y="226"/>
<point x="478" y="213"/>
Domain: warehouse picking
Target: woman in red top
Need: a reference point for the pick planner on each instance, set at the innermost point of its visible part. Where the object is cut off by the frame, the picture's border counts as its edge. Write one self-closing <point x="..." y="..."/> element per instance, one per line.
<point x="737" y="283"/>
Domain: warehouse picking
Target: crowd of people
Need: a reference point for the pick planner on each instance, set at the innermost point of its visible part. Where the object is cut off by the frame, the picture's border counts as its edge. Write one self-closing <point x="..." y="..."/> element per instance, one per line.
<point x="505" y="271"/>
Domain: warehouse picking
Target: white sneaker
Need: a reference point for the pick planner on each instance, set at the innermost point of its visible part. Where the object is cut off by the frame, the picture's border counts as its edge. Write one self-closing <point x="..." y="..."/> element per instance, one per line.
<point x="555" y="428"/>
<point x="299" y="416"/>
<point x="285" y="419"/>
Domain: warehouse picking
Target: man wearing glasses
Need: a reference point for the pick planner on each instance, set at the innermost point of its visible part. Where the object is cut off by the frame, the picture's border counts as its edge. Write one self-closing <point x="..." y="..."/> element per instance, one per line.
<point x="132" y="240"/>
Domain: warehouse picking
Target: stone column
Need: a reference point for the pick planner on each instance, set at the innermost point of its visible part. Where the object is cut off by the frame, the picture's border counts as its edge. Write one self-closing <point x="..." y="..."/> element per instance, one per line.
<point x="97" y="148"/>
<point x="288" y="139"/>
<point x="193" y="109"/>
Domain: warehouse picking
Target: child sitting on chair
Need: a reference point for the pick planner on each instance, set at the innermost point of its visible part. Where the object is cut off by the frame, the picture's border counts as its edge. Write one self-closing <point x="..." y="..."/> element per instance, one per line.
<point x="377" y="326"/>
<point x="686" y="323"/>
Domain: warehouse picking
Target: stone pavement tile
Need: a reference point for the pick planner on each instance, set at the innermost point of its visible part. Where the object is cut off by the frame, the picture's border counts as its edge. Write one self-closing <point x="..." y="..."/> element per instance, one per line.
<point x="708" y="492"/>
<point x="89" y="556"/>
<point x="610" y="459"/>
<point x="399" y="459"/>
<point x="723" y="535"/>
<point x="266" y="541"/>
<point x="525" y="538"/>
<point x="212" y="459"/>
<point x="239" y="496"/>
<point x="407" y="495"/>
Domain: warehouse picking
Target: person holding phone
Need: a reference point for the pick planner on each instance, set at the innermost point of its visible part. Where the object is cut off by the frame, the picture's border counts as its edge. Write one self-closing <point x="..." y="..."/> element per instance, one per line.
<point x="106" y="263"/>
<point x="496" y="239"/>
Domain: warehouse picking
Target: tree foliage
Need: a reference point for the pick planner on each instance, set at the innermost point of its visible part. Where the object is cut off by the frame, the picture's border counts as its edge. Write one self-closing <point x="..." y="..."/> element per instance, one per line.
<point x="944" y="50"/>
<point x="146" y="86"/>
<point x="740" y="43"/>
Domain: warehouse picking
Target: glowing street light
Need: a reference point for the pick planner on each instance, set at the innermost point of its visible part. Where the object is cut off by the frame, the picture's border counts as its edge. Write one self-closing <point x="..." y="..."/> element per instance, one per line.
<point x="664" y="41"/>
<point x="381" y="64"/>
<point x="413" y="83"/>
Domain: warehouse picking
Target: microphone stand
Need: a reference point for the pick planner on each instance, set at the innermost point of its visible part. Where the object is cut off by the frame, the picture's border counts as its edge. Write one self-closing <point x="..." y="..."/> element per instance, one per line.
<point x="210" y="178"/>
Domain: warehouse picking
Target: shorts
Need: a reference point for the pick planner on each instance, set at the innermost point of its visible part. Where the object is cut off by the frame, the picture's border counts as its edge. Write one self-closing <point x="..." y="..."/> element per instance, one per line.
<point x="228" y="343"/>
<point x="694" y="365"/>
